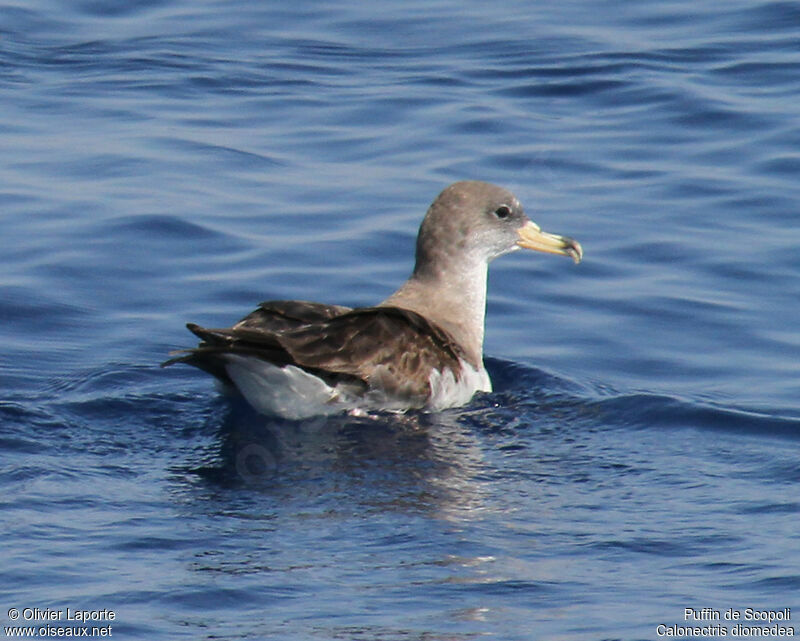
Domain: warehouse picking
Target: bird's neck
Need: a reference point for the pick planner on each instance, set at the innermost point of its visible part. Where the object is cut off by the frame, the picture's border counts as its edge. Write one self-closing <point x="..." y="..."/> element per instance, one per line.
<point x="454" y="299"/>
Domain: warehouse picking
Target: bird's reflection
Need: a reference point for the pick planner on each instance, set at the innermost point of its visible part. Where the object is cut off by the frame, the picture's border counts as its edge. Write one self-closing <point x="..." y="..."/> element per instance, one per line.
<point x="419" y="462"/>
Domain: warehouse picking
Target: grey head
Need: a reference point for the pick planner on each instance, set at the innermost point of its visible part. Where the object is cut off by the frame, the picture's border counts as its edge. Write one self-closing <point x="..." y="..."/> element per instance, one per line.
<point x="477" y="222"/>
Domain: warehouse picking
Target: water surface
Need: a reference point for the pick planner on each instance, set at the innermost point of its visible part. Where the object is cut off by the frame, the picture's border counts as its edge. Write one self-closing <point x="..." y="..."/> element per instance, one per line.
<point x="173" y="161"/>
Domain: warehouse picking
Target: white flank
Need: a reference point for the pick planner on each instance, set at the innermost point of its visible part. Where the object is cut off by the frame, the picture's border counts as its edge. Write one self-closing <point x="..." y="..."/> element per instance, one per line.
<point x="447" y="391"/>
<point x="293" y="393"/>
<point x="280" y="391"/>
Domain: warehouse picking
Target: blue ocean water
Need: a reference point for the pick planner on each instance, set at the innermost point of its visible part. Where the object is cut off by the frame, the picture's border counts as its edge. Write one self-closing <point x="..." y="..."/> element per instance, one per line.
<point x="171" y="161"/>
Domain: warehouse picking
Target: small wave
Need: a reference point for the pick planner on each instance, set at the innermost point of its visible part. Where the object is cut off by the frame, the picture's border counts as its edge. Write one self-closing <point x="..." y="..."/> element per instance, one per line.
<point x="518" y="386"/>
<point x="656" y="410"/>
<point x="161" y="226"/>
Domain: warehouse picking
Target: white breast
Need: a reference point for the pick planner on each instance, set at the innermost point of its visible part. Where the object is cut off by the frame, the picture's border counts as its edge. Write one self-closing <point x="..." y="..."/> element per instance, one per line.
<point x="449" y="391"/>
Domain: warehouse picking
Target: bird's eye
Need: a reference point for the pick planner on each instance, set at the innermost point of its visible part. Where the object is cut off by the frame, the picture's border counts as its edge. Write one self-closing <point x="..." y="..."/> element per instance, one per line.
<point x="503" y="211"/>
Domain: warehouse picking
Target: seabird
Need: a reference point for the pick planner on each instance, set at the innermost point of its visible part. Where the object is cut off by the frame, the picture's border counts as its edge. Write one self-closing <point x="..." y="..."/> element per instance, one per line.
<point x="421" y="348"/>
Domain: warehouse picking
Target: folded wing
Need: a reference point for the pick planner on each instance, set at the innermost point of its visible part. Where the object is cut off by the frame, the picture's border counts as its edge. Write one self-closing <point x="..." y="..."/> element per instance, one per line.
<point x="376" y="348"/>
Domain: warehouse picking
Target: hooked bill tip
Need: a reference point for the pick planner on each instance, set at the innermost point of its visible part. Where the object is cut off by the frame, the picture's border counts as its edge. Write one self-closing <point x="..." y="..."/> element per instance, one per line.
<point x="574" y="251"/>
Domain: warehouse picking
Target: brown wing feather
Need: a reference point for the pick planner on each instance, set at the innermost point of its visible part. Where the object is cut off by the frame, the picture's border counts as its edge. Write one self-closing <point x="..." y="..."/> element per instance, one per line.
<point x="385" y="348"/>
<point x="280" y="315"/>
<point x="208" y="356"/>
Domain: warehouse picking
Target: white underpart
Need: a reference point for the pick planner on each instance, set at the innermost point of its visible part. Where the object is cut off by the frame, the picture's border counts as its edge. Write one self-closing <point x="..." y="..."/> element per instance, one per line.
<point x="286" y="391"/>
<point x="447" y="391"/>
<point x="293" y="393"/>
